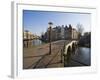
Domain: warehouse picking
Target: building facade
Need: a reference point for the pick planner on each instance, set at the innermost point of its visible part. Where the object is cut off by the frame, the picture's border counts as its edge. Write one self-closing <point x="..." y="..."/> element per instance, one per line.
<point x="61" y="33"/>
<point x="28" y="35"/>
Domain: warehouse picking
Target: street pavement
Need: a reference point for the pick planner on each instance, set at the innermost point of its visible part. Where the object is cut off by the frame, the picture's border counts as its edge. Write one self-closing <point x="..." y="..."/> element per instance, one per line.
<point x="39" y="57"/>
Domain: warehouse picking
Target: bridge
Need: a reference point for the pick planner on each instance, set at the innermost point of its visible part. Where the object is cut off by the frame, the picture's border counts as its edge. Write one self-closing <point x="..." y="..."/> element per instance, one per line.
<point x="38" y="57"/>
<point x="68" y="49"/>
<point x="70" y="46"/>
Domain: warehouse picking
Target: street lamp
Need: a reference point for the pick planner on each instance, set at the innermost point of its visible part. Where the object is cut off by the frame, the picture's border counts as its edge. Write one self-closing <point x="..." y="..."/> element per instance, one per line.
<point x="50" y="27"/>
<point x="27" y="37"/>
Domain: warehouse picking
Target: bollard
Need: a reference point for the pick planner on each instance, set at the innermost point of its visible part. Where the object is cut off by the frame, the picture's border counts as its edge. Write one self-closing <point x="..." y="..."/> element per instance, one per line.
<point x="61" y="56"/>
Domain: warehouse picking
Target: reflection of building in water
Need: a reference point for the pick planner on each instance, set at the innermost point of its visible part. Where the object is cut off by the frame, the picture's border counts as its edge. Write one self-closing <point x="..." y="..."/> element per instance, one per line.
<point x="28" y="38"/>
<point x="61" y="32"/>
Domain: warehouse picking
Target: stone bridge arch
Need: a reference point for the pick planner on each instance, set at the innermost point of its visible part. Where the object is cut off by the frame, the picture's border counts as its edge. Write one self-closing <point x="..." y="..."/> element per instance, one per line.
<point x="69" y="49"/>
<point x="72" y="46"/>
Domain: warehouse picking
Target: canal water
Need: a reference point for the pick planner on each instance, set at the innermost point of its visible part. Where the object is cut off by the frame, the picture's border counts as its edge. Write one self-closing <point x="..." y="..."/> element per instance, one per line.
<point x="84" y="55"/>
<point x="37" y="42"/>
<point x="81" y="57"/>
<point x="30" y="43"/>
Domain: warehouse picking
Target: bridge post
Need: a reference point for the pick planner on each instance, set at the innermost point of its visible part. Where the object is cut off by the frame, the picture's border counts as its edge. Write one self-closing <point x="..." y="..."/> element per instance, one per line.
<point x="62" y="53"/>
<point x="65" y="60"/>
<point x="62" y="56"/>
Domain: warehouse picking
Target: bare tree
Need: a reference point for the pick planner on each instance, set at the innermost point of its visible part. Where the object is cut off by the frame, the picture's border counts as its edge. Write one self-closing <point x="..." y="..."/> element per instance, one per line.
<point x="80" y="29"/>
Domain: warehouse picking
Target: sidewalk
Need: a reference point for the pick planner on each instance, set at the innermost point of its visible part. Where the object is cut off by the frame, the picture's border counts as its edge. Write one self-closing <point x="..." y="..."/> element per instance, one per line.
<point x="39" y="57"/>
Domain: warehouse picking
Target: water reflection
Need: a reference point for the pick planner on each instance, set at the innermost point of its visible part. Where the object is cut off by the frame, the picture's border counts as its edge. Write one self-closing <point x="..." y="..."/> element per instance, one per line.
<point x="82" y="57"/>
<point x="37" y="42"/>
<point x="30" y="43"/>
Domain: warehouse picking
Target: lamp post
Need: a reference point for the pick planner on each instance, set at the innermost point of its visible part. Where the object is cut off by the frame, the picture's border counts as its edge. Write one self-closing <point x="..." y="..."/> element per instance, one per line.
<point x="27" y="38"/>
<point x="50" y="27"/>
